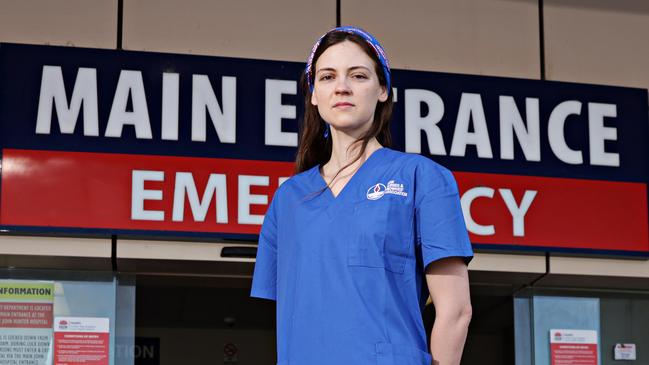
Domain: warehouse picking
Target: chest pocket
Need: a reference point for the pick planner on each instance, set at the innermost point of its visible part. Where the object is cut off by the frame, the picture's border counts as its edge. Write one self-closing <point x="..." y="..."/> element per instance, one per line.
<point x="381" y="234"/>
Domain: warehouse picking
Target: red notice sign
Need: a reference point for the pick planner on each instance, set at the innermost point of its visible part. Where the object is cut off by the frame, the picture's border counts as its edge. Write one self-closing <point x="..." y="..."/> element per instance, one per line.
<point x="79" y="340"/>
<point x="573" y="347"/>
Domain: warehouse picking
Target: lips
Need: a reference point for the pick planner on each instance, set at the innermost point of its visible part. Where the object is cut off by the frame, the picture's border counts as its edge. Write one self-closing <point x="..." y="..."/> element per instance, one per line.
<point x="342" y="104"/>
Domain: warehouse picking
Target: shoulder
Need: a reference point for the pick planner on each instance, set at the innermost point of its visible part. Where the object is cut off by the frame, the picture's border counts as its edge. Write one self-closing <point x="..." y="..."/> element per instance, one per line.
<point x="428" y="170"/>
<point x="294" y="185"/>
<point x="422" y="166"/>
<point x="430" y="177"/>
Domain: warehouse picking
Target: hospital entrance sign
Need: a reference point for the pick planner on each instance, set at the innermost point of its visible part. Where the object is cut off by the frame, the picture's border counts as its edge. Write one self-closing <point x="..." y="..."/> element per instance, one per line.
<point x="118" y="142"/>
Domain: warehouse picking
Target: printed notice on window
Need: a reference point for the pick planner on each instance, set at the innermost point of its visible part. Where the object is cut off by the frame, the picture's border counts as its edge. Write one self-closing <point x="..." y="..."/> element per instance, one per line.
<point x="573" y="347"/>
<point x="81" y="340"/>
<point x="26" y="311"/>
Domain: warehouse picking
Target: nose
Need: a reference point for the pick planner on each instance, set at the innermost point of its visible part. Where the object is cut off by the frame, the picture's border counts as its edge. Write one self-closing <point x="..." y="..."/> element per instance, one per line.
<point x="342" y="85"/>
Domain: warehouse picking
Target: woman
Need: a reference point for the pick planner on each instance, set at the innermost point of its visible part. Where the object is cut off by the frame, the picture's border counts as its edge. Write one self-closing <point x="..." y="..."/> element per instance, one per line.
<point x="347" y="242"/>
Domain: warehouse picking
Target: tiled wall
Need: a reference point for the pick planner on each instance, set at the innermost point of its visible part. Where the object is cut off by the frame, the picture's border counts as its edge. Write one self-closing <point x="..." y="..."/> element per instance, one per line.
<point x="79" y="23"/>
<point x="485" y="37"/>
<point x="592" y="41"/>
<point x="598" y="41"/>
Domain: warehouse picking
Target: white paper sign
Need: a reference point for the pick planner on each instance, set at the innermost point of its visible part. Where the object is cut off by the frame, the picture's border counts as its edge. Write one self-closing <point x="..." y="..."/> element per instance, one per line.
<point x="625" y="351"/>
<point x="573" y="336"/>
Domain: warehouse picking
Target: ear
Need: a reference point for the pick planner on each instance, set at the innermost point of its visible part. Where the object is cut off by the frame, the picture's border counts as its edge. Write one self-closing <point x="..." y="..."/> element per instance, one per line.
<point x="383" y="96"/>
<point x="314" y="99"/>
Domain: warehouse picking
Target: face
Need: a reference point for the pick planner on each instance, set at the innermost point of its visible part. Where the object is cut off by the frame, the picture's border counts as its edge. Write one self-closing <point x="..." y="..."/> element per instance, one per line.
<point x="346" y="88"/>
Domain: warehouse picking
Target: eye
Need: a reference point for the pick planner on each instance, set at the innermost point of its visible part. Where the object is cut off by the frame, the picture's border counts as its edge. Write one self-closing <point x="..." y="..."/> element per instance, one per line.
<point x="325" y="77"/>
<point x="359" y="76"/>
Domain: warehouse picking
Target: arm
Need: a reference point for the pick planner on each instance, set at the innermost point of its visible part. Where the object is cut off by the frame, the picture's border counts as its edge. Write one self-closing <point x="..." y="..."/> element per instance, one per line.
<point x="264" y="279"/>
<point x="448" y="284"/>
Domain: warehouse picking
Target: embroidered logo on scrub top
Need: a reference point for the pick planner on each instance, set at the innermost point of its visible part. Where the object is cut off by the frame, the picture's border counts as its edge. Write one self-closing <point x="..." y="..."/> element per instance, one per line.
<point x="377" y="191"/>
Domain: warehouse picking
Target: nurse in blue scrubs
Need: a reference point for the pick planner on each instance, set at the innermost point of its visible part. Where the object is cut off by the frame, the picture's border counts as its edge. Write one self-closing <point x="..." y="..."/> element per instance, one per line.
<point x="353" y="244"/>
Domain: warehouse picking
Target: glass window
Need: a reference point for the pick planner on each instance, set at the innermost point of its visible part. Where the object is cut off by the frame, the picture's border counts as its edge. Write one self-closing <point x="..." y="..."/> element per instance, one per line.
<point x="584" y="325"/>
<point x="61" y="316"/>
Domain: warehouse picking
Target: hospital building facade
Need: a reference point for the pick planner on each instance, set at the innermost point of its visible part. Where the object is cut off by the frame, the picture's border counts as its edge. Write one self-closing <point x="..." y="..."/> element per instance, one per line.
<point x="142" y="142"/>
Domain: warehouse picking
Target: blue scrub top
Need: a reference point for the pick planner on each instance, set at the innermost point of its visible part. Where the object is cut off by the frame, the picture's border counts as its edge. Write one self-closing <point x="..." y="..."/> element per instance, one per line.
<point x="347" y="272"/>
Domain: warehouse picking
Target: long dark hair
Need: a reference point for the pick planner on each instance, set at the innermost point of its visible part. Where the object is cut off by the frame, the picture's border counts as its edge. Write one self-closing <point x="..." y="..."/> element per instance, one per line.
<point x="313" y="148"/>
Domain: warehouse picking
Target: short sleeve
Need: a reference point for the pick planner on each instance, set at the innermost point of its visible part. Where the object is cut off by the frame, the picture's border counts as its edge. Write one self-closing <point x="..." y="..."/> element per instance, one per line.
<point x="441" y="230"/>
<point x="264" y="278"/>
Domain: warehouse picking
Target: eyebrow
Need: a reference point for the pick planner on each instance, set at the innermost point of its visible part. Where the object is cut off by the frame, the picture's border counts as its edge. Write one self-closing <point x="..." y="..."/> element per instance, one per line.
<point x="350" y="69"/>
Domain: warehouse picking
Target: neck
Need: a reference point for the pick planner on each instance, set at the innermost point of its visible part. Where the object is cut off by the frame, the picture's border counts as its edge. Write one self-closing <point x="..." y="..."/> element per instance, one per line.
<point x="342" y="153"/>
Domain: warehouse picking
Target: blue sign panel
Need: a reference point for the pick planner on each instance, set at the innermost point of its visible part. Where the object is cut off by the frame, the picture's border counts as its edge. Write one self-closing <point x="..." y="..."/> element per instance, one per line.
<point x="578" y="151"/>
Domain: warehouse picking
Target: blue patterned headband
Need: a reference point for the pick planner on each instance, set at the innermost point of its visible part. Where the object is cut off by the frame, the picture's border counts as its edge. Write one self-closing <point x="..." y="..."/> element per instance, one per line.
<point x="380" y="53"/>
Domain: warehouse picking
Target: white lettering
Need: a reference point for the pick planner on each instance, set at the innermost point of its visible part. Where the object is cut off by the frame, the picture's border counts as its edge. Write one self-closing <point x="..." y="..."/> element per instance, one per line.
<point x="529" y="137"/>
<point x="471" y="110"/>
<point x="139" y="195"/>
<point x="184" y="186"/>
<point x="246" y="199"/>
<point x="518" y="212"/>
<point x="129" y="84"/>
<point x="556" y="135"/>
<point x="53" y="94"/>
<point x="598" y="133"/>
<point x="466" y="200"/>
<point x="415" y="122"/>
<point x="224" y="120"/>
<point x="276" y="111"/>
<point x="170" y="86"/>
<point x="282" y="180"/>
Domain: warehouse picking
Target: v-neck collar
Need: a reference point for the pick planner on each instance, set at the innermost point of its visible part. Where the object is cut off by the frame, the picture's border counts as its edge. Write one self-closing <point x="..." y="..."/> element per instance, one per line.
<point x="352" y="180"/>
